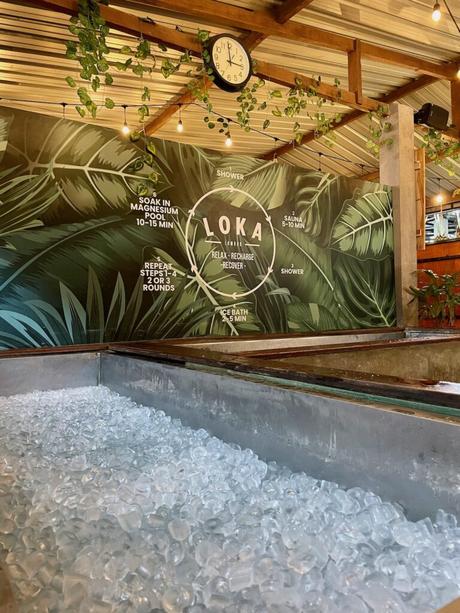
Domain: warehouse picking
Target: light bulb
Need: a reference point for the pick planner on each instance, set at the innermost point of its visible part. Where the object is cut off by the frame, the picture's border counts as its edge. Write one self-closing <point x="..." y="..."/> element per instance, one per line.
<point x="228" y="141"/>
<point x="436" y="14"/>
<point x="458" y="73"/>
<point x="180" y="126"/>
<point x="439" y="198"/>
<point x="125" y="129"/>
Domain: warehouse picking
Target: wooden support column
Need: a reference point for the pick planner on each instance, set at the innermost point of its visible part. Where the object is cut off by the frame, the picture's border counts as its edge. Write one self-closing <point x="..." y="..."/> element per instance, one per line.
<point x="420" y="195"/>
<point x="355" y="77"/>
<point x="397" y="170"/>
<point x="455" y="98"/>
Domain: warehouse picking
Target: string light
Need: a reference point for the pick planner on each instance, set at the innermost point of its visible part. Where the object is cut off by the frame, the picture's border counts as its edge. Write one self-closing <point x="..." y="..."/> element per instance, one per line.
<point x="275" y="157"/>
<point x="439" y="198"/>
<point x="125" y="128"/>
<point x="180" y="125"/>
<point x="198" y="105"/>
<point x="64" y="106"/>
<point x="436" y="14"/>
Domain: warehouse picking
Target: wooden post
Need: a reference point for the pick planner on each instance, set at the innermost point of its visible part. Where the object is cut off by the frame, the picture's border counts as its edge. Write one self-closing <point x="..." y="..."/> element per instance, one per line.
<point x="455" y="103"/>
<point x="420" y="187"/>
<point x="397" y="170"/>
<point x="355" y="77"/>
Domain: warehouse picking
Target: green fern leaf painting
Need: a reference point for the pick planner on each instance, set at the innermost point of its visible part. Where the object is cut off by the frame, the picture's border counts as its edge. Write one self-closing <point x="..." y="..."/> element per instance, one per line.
<point x="102" y="240"/>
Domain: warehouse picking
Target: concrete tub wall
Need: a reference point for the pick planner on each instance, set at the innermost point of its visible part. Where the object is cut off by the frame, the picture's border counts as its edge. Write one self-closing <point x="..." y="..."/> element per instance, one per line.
<point x="48" y="372"/>
<point x="438" y="361"/>
<point x="410" y="458"/>
<point x="413" y="459"/>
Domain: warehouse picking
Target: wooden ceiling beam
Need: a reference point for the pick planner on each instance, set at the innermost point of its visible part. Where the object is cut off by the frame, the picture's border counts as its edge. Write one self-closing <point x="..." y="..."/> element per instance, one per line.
<point x="262" y="21"/>
<point x="455" y="105"/>
<point x="355" y="74"/>
<point x="251" y="41"/>
<point x="227" y="15"/>
<point x="129" y="24"/>
<point x="287" y="78"/>
<point x="289" y="9"/>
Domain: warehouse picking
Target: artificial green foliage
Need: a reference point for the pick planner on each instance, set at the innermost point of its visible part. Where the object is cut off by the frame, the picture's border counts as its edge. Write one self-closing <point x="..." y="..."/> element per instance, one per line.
<point x="379" y="130"/>
<point x="71" y="251"/>
<point x="441" y="150"/>
<point x="438" y="296"/>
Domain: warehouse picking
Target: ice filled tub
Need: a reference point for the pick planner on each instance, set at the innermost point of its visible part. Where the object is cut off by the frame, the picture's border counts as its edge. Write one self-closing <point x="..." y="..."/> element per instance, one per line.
<point x="111" y="505"/>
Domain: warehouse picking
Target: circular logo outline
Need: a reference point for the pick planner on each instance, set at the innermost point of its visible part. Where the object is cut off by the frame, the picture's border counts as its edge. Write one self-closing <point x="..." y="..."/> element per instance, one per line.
<point x="191" y="255"/>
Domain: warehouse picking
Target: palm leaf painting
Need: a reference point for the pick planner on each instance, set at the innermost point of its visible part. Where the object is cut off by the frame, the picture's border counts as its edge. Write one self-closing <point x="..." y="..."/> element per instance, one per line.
<point x="364" y="228"/>
<point x="269" y="183"/>
<point x="93" y="168"/>
<point x="72" y="250"/>
<point x="23" y="200"/>
<point x="5" y="120"/>
<point x="368" y="291"/>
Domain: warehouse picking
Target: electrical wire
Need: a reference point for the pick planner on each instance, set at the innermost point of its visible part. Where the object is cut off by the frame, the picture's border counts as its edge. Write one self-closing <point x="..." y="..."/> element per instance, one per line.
<point x="180" y="105"/>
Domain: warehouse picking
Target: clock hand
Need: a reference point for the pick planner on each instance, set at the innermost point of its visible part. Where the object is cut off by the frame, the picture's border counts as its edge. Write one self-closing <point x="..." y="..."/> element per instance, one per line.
<point x="229" y="55"/>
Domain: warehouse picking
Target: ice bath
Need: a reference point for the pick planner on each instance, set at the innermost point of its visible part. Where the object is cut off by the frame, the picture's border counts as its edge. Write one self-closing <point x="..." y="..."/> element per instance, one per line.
<point x="107" y="505"/>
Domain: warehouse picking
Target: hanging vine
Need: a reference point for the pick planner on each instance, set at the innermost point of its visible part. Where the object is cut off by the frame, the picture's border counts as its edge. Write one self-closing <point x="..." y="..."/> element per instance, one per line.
<point x="439" y="149"/>
<point x="379" y="129"/>
<point x="300" y="103"/>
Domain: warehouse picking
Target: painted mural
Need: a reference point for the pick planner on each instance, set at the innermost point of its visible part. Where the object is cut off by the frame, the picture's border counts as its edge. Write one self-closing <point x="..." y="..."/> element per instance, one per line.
<point x="103" y="240"/>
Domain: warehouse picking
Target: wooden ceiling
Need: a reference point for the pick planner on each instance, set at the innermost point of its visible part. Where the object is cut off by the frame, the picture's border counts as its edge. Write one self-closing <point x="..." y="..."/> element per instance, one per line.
<point x="33" y="67"/>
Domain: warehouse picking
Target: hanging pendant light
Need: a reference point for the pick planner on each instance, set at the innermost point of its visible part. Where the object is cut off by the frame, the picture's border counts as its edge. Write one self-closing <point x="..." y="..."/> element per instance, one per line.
<point x="125" y="128"/>
<point x="436" y="14"/>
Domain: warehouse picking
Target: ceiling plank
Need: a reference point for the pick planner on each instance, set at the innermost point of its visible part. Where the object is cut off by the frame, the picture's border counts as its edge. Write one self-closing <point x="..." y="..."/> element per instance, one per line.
<point x="289" y="9"/>
<point x="263" y="22"/>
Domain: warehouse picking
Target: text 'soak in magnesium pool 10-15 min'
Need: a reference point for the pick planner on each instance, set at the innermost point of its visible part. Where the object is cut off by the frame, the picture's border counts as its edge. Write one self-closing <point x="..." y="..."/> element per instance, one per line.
<point x="106" y="506"/>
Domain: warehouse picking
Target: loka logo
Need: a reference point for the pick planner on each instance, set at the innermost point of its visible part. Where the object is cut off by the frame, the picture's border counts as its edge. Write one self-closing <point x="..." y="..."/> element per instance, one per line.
<point x="239" y="229"/>
<point x="234" y="241"/>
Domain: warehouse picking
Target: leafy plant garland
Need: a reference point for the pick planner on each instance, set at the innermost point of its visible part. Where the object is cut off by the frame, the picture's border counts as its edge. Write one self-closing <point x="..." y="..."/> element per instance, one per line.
<point x="91" y="51"/>
<point x="438" y="149"/>
<point x="379" y="128"/>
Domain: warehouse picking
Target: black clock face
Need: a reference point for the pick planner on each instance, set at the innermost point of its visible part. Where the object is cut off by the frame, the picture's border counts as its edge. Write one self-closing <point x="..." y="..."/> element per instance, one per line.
<point x="230" y="62"/>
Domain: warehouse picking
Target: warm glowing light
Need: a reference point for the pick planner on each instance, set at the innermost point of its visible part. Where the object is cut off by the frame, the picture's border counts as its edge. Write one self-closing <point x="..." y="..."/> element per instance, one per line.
<point x="228" y="141"/>
<point x="439" y="198"/>
<point x="436" y="14"/>
<point x="125" y="129"/>
<point x="180" y="126"/>
<point x="458" y="73"/>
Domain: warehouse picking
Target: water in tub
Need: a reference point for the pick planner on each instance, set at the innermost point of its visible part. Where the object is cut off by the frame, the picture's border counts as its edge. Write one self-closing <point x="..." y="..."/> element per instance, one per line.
<point x="106" y="505"/>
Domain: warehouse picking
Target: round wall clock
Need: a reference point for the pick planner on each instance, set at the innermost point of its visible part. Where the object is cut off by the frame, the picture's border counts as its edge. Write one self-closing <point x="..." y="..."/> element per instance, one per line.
<point x="230" y="62"/>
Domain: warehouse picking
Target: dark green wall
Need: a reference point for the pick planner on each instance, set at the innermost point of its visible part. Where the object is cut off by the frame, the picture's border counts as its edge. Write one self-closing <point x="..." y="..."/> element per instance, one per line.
<point x="291" y="250"/>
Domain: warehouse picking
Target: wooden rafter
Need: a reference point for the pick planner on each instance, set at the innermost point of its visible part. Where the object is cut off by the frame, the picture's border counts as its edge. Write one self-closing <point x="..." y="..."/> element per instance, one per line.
<point x="455" y="104"/>
<point x="132" y="25"/>
<point x="129" y="24"/>
<point x="251" y="41"/>
<point x="355" y="75"/>
<point x="287" y="78"/>
<point x="262" y="21"/>
<point x="289" y="9"/>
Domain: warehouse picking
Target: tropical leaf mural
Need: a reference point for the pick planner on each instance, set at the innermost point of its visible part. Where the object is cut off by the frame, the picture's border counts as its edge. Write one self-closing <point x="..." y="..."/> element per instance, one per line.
<point x="273" y="248"/>
<point x="364" y="227"/>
